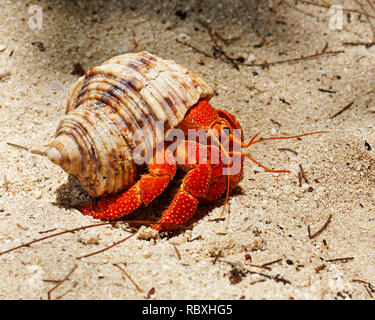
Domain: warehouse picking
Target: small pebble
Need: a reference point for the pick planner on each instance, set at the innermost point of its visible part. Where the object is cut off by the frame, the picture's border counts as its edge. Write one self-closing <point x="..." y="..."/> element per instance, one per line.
<point x="38" y="195"/>
<point x="89" y="237"/>
<point x="2" y="47"/>
<point x="146" y="253"/>
<point x="183" y="37"/>
<point x="146" y="233"/>
<point x="250" y="58"/>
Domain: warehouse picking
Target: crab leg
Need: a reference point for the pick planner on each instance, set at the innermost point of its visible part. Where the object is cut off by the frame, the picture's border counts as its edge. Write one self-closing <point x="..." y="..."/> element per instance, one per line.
<point x="194" y="185"/>
<point x="143" y="192"/>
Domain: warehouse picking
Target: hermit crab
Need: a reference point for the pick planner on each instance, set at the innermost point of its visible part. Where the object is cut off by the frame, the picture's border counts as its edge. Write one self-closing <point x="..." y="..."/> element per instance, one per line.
<point x="139" y="108"/>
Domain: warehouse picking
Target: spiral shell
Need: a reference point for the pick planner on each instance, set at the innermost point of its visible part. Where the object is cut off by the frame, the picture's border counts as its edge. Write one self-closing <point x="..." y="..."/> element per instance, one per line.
<point x="110" y="107"/>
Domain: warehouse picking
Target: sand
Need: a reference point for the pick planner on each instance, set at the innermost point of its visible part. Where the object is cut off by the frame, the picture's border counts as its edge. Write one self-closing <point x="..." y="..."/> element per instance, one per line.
<point x="261" y="249"/>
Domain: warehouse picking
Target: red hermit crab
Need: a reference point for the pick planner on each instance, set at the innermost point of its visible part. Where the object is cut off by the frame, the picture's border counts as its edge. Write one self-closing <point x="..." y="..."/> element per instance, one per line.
<point x="139" y="108"/>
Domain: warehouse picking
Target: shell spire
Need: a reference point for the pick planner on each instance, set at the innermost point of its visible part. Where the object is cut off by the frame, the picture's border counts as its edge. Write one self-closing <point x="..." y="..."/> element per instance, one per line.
<point x="69" y="159"/>
<point x="114" y="105"/>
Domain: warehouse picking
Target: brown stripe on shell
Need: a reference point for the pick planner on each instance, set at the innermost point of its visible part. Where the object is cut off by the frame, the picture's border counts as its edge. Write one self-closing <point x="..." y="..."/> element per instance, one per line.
<point x="146" y="62"/>
<point x="78" y="132"/>
<point x="90" y="176"/>
<point x="111" y="91"/>
<point x="110" y="140"/>
<point x="115" y="145"/>
<point x="178" y="99"/>
<point x="107" y="95"/>
<point x="69" y="126"/>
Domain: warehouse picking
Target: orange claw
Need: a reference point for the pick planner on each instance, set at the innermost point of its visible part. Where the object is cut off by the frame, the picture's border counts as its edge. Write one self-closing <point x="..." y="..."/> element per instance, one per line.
<point x="194" y="185"/>
<point x="143" y="192"/>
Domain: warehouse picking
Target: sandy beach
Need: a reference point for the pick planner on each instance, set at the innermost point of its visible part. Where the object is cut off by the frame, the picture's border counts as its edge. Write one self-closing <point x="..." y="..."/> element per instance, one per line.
<point x="282" y="68"/>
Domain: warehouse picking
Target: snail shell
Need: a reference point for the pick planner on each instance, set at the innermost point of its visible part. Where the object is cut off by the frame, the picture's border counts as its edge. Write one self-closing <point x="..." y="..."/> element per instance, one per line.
<point x="110" y="106"/>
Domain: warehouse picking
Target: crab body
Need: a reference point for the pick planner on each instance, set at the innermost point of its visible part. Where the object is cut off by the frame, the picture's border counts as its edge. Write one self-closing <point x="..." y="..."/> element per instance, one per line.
<point x="113" y="112"/>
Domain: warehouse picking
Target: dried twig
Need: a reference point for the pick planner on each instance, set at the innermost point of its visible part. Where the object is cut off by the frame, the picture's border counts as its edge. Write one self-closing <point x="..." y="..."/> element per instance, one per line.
<point x="34" y="151"/>
<point x="325" y="47"/>
<point x="303" y="58"/>
<point x="320" y="268"/>
<point x="61" y="282"/>
<point x="303" y="174"/>
<point x="326" y="90"/>
<point x="55" y="235"/>
<point x="275" y="122"/>
<point x="342" y="110"/>
<point x="234" y="62"/>
<point x="6" y="183"/>
<point x="368" y="286"/>
<point x="216" y="219"/>
<point x="214" y="34"/>
<point x="312" y="236"/>
<point x="64" y="294"/>
<point x="226" y="40"/>
<point x="276" y="278"/>
<point x="257" y="281"/>
<point x="46" y="231"/>
<point x="196" y="238"/>
<point x="272" y="262"/>
<point x="261" y="267"/>
<point x="51" y="280"/>
<point x="300" y="182"/>
<point x="106" y="248"/>
<point x="216" y="257"/>
<point x="177" y="252"/>
<point x="364" y="282"/>
<point x="368" y="291"/>
<point x="150" y="293"/>
<point x="217" y="48"/>
<point x="341" y="259"/>
<point x="287" y="149"/>
<point x="195" y="49"/>
<point x="366" y="44"/>
<point x="128" y="276"/>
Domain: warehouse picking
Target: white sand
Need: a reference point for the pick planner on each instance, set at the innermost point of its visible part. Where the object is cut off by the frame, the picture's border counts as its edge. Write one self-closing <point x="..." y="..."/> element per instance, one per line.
<point x="268" y="215"/>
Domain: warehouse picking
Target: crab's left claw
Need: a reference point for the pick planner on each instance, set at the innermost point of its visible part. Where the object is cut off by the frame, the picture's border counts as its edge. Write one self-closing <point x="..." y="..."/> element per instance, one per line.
<point x="143" y="192"/>
<point x="194" y="185"/>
